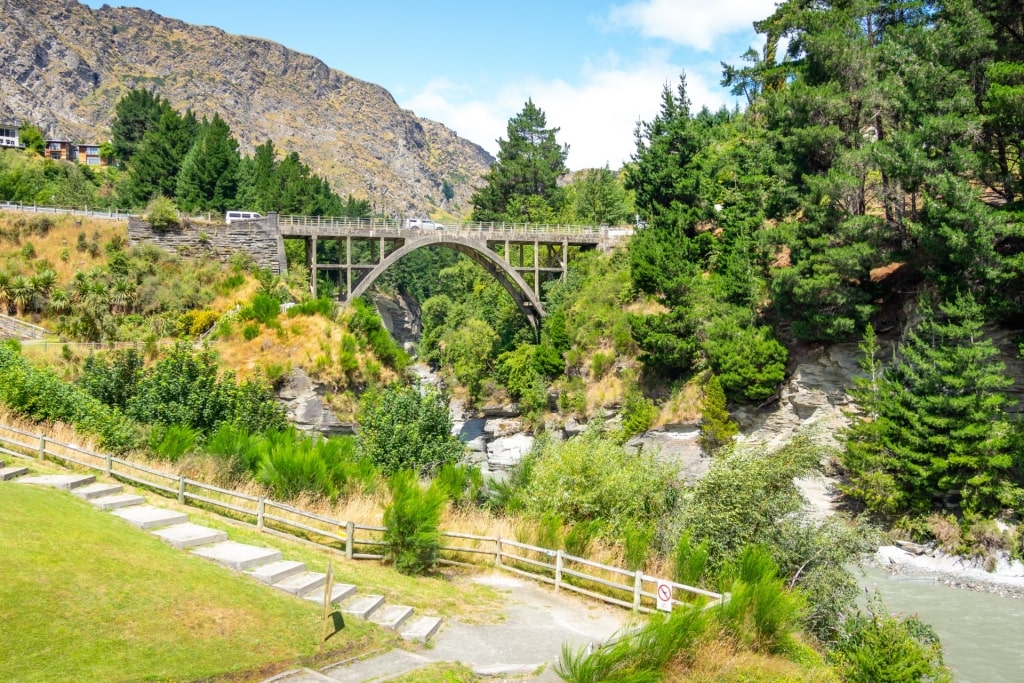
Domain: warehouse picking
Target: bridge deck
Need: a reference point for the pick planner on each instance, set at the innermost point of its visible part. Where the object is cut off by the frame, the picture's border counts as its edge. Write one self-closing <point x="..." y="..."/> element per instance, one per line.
<point x="301" y="226"/>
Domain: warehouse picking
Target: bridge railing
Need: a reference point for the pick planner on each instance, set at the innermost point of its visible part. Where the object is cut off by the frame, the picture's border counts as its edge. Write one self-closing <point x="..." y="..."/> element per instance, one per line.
<point x="476" y="228"/>
<point x="113" y="214"/>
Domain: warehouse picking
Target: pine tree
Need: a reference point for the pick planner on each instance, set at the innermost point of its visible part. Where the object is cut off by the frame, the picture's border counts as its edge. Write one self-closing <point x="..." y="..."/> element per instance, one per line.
<point x="209" y="172"/>
<point x="716" y="427"/>
<point x="935" y="421"/>
<point x="154" y="167"/>
<point x="523" y="184"/>
<point x="134" y="114"/>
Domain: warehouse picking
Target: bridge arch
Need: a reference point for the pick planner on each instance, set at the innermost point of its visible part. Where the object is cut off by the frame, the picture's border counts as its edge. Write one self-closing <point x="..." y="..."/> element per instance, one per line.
<point x="526" y="299"/>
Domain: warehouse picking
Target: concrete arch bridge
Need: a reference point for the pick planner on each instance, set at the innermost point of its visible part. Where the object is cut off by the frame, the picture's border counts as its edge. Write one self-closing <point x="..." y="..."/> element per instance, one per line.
<point x="353" y="253"/>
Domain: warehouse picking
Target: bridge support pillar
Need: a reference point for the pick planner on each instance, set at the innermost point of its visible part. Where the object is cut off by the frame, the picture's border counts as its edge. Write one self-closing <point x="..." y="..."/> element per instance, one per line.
<point x="348" y="267"/>
<point x="536" y="266"/>
<point x="311" y="262"/>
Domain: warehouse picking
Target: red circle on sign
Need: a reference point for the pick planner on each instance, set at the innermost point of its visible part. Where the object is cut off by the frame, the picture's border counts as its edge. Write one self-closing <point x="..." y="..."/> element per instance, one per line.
<point x="664" y="592"/>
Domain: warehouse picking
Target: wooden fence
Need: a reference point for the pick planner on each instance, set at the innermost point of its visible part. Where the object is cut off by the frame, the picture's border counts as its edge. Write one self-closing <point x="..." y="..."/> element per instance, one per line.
<point x="630" y="589"/>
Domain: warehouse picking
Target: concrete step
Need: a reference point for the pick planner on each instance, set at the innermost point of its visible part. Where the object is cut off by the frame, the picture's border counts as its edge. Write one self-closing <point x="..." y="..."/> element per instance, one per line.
<point x="301" y="676"/>
<point x="118" y="500"/>
<point x="150" y="517"/>
<point x="65" y="482"/>
<point x="380" y="668"/>
<point x="362" y="606"/>
<point x="391" y="616"/>
<point x="339" y="592"/>
<point x="98" y="490"/>
<point x="300" y="584"/>
<point x="238" y="556"/>
<point x="274" y="572"/>
<point x="8" y="473"/>
<point x="189" y="535"/>
<point x="420" y="629"/>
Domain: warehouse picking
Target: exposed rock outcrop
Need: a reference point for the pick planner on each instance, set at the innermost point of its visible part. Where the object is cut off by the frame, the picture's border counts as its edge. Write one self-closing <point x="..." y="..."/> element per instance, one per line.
<point x="64" y="66"/>
<point x="306" y="409"/>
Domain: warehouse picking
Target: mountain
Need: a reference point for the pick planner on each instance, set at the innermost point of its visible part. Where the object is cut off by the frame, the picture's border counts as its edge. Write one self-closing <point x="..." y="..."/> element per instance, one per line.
<point x="64" y="66"/>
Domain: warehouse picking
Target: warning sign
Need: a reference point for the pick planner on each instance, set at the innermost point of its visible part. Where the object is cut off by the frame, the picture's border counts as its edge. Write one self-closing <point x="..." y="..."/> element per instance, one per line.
<point x="664" y="596"/>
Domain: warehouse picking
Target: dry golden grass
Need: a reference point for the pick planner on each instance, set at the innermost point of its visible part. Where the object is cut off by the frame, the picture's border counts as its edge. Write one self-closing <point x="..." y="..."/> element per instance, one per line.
<point x="606" y="392"/>
<point x="63" y="235"/>
<point x="684" y="405"/>
<point x="646" y="307"/>
<point x="718" y="660"/>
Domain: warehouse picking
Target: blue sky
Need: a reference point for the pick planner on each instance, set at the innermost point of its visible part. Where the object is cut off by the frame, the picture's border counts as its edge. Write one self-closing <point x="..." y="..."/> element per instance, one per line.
<point x="594" y="67"/>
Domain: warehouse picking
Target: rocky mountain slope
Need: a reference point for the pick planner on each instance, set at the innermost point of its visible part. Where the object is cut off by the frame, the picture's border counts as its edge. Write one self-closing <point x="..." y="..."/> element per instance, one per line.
<point x="63" y="66"/>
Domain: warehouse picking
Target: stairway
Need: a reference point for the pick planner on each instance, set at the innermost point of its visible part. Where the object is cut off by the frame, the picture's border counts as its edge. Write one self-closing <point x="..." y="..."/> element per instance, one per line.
<point x="262" y="564"/>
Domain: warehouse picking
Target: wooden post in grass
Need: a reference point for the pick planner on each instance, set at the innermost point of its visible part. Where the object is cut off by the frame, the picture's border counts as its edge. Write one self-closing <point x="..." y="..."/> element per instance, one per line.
<point x="260" y="506"/>
<point x="181" y="488"/>
<point x="42" y="447"/>
<point x="328" y="589"/>
<point x="350" y="537"/>
<point x="638" y="582"/>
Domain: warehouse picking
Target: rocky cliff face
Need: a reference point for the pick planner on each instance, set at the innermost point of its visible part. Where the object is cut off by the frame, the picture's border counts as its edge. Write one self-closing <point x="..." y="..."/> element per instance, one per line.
<point x="63" y="66"/>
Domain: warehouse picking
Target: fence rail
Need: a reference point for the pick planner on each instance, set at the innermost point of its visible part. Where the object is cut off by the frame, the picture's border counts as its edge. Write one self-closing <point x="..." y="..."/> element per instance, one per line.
<point x="112" y="214"/>
<point x="314" y="223"/>
<point x="614" y="585"/>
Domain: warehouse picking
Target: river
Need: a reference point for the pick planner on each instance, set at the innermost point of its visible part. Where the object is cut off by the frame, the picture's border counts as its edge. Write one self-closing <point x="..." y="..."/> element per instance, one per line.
<point x="982" y="634"/>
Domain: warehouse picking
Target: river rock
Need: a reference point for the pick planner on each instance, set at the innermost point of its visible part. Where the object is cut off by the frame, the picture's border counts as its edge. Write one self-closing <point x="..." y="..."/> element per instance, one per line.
<point x="572" y="427"/>
<point x="497" y="429"/>
<point x="678" y="445"/>
<point x="507" y="451"/>
<point x="500" y="410"/>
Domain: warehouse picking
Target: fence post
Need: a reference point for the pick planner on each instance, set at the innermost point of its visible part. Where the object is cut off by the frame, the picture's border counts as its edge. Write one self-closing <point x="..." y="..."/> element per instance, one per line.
<point x="350" y="532"/>
<point x="259" y="514"/>
<point x="497" y="552"/>
<point x="109" y="464"/>
<point x="638" y="582"/>
<point x="181" y="488"/>
<point x="558" y="569"/>
<point x="42" y="447"/>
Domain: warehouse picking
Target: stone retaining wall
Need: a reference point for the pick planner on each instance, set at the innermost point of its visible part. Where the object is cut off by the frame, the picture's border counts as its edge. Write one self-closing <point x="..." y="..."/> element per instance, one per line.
<point x="199" y="239"/>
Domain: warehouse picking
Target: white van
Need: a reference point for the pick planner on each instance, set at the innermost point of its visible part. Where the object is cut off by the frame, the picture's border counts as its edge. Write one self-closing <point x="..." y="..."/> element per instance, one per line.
<point x="232" y="216"/>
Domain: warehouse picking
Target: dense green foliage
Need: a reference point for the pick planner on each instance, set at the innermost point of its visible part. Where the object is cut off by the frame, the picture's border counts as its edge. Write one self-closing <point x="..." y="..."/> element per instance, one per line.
<point x="934" y="422"/>
<point x="523" y="185"/>
<point x="42" y="396"/>
<point x="879" y="647"/>
<point x="591" y="478"/>
<point x="406" y="428"/>
<point x="412" y="518"/>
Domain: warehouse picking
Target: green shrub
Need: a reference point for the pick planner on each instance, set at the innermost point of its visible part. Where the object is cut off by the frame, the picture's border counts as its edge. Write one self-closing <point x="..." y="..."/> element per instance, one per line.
<point x="367" y="324"/>
<point x="592" y="478"/>
<point x="600" y="364"/>
<point x="761" y="612"/>
<point x="881" y="648"/>
<point x="579" y="538"/>
<point x="263" y="308"/>
<point x="324" y="306"/>
<point x="638" y="414"/>
<point x="161" y="213"/>
<point x="251" y="331"/>
<point x="690" y="561"/>
<point x="716" y="427"/>
<point x="462" y="484"/>
<point x="173" y="441"/>
<point x="406" y="427"/>
<point x="412" y="539"/>
<point x="290" y="465"/>
<point x="41" y="396"/>
<point x="639" y="656"/>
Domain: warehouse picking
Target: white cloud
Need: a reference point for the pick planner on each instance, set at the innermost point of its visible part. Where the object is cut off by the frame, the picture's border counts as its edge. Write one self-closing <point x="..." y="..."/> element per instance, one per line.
<point x="597" y="117"/>
<point x="691" y="23"/>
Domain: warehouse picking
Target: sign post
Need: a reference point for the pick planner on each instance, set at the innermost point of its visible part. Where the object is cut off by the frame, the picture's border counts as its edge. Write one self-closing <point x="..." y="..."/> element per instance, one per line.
<point x="664" y="596"/>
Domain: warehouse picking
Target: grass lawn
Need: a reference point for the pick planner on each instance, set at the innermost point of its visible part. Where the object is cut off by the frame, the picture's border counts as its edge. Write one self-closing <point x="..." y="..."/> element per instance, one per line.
<point x="86" y="597"/>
